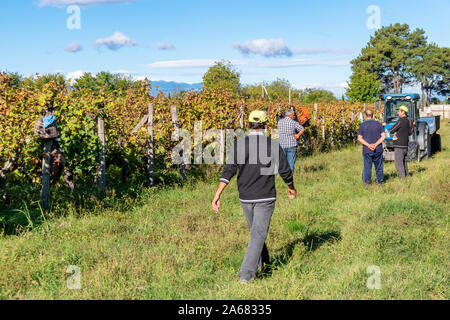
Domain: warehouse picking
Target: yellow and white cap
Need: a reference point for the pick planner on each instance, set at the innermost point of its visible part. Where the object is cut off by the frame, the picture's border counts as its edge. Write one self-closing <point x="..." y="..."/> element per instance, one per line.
<point x="258" y="117"/>
<point x="404" y="108"/>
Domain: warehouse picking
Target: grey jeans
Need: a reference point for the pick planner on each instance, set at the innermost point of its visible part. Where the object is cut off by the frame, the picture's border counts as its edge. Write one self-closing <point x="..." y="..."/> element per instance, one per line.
<point x="401" y="164"/>
<point x="258" y="217"/>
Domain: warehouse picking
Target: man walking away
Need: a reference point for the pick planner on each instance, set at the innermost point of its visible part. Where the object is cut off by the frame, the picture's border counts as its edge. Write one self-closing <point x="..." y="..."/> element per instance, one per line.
<point x="371" y="135"/>
<point x="401" y="131"/>
<point x="289" y="132"/>
<point x="255" y="158"/>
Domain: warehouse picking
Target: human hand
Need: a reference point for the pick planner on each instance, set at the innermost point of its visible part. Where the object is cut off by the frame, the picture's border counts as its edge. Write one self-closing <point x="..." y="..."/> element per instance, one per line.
<point x="216" y="204"/>
<point x="292" y="193"/>
<point x="394" y="137"/>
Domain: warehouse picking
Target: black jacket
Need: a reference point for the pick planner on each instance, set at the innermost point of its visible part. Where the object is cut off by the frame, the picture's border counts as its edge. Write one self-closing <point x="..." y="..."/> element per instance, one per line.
<point x="402" y="127"/>
<point x="256" y="157"/>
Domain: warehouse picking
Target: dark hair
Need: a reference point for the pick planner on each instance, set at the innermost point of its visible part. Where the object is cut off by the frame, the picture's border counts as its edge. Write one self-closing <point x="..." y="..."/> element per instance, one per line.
<point x="369" y="113"/>
<point x="256" y="125"/>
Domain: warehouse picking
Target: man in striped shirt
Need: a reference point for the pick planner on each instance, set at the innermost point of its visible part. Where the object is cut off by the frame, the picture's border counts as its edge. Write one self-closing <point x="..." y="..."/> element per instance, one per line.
<point x="289" y="131"/>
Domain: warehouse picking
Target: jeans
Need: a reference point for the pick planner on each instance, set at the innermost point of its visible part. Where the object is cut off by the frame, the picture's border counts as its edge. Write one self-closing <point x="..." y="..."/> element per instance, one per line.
<point x="377" y="160"/>
<point x="401" y="164"/>
<point x="291" y="155"/>
<point x="258" y="217"/>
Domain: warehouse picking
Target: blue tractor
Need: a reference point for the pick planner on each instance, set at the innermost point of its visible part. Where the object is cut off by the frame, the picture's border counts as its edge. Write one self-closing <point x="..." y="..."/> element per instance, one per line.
<point x="424" y="140"/>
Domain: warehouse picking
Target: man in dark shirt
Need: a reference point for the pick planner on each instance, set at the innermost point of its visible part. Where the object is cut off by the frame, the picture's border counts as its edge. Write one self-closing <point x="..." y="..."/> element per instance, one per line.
<point x="256" y="158"/>
<point x="401" y="132"/>
<point x="371" y="135"/>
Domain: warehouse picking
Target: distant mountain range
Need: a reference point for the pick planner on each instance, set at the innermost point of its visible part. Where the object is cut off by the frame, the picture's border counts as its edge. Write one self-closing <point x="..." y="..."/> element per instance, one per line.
<point x="172" y="87"/>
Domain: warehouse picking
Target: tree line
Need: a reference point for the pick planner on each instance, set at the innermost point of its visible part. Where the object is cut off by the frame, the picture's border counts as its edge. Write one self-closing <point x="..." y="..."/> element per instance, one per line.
<point x="395" y="58"/>
<point x="224" y="75"/>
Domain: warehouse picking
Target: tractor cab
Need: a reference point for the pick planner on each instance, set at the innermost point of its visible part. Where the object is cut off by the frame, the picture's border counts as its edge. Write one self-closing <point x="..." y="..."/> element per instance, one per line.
<point x="394" y="101"/>
<point x="425" y="128"/>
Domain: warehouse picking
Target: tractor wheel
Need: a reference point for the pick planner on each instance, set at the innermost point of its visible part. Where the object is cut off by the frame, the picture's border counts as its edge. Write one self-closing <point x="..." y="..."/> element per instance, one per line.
<point x="413" y="152"/>
<point x="436" y="142"/>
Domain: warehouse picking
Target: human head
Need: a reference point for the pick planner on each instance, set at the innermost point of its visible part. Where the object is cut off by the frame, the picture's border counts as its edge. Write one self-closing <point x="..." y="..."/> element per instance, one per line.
<point x="289" y="113"/>
<point x="368" y="114"/>
<point x="258" y="120"/>
<point x="403" y="111"/>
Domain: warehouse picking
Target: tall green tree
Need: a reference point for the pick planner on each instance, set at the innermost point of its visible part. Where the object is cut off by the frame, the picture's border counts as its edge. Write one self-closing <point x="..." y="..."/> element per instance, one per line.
<point x="363" y="87"/>
<point x="223" y="75"/>
<point x="312" y="95"/>
<point x="280" y="89"/>
<point x="387" y="55"/>
<point x="107" y="81"/>
<point x="39" y="81"/>
<point x="431" y="69"/>
<point x="275" y="89"/>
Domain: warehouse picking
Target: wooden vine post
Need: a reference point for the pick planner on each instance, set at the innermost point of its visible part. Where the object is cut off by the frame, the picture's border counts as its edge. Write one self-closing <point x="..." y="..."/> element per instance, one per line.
<point x="46" y="161"/>
<point x="150" y="152"/>
<point x="241" y="118"/>
<point x="315" y="112"/>
<point x="176" y="126"/>
<point x="332" y="134"/>
<point x="222" y="150"/>
<point x="148" y="119"/>
<point x="102" y="157"/>
<point x="323" y="126"/>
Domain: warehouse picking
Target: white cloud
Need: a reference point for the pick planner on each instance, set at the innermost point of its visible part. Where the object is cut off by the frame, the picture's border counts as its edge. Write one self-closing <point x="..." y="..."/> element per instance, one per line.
<point x="206" y="63"/>
<point x="116" y="41"/>
<point x="74" y="47"/>
<point x="75" y="74"/>
<point x="264" y="47"/>
<point x="198" y="63"/>
<point x="165" y="46"/>
<point x="140" y="78"/>
<point x="305" y="63"/>
<point x="324" y="85"/>
<point x="121" y="71"/>
<point x="65" y="3"/>
<point x="278" y="48"/>
<point x="317" y="51"/>
<point x="72" y="76"/>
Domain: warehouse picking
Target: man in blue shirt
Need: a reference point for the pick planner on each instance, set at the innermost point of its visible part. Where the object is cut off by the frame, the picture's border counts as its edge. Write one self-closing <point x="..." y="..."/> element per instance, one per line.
<point x="371" y="135"/>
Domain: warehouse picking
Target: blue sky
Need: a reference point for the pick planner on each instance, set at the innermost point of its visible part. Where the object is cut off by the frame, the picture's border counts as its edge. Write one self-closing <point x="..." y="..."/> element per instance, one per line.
<point x="310" y="43"/>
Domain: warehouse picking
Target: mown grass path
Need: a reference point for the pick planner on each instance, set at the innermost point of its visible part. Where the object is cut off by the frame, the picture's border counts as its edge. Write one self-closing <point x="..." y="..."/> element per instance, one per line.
<point x="171" y="245"/>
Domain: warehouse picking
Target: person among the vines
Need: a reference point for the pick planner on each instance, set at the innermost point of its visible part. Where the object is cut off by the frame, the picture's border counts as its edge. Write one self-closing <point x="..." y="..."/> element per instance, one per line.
<point x="255" y="158"/>
<point x="280" y="115"/>
<point x="289" y="132"/>
<point x="401" y="131"/>
<point x="371" y="135"/>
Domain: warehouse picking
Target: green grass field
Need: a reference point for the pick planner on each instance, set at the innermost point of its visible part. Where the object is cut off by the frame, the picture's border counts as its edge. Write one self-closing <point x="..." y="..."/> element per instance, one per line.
<point x="168" y="243"/>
